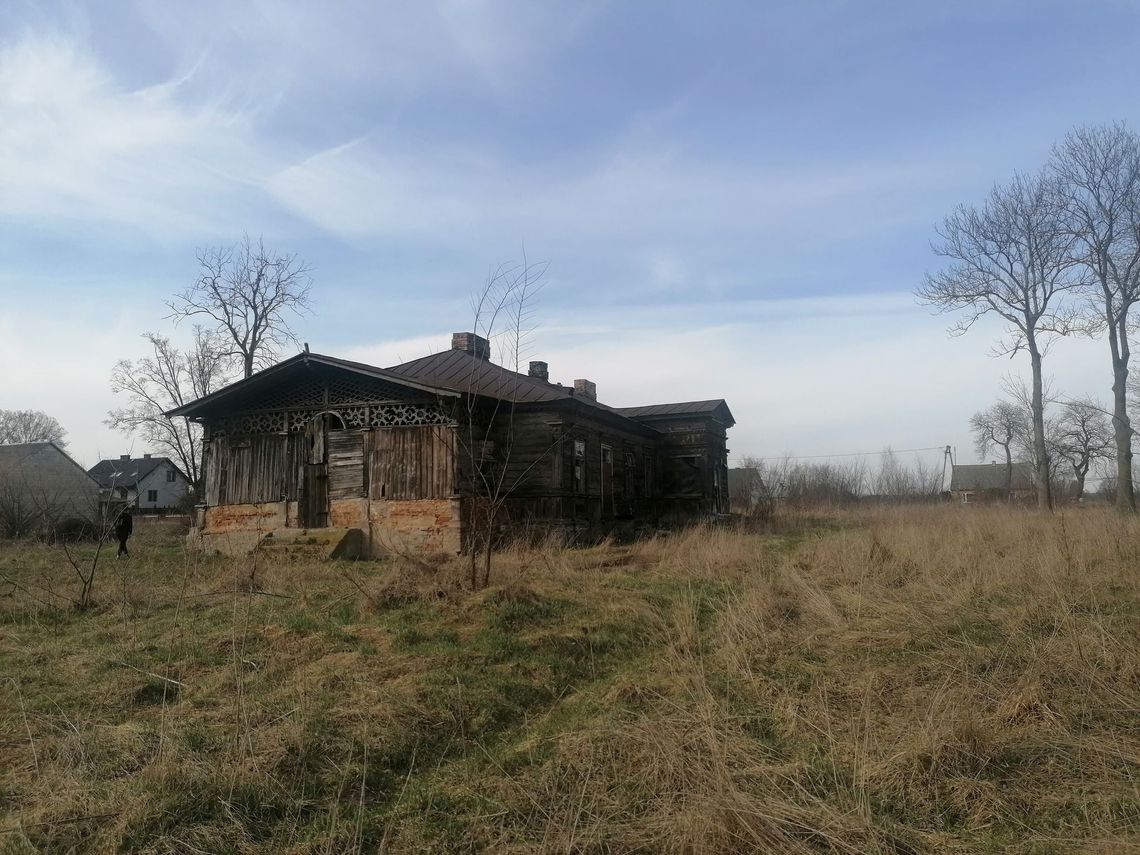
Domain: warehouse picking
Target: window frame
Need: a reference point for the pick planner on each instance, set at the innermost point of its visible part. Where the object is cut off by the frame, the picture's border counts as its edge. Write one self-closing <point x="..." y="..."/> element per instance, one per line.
<point x="579" y="469"/>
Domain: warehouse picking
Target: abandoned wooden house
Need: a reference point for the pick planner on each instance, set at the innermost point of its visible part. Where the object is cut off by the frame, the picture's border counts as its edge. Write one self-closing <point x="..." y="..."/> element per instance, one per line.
<point x="406" y="457"/>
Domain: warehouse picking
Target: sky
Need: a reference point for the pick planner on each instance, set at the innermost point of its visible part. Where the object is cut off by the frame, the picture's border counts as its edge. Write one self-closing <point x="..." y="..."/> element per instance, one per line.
<point x="735" y="199"/>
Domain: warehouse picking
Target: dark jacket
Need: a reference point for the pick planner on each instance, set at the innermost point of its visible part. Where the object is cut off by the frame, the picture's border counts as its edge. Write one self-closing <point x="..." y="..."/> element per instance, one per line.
<point x="124" y="526"/>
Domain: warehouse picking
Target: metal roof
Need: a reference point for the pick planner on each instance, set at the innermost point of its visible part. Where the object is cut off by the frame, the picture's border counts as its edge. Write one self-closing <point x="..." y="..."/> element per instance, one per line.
<point x="683" y="408"/>
<point x="274" y="371"/>
<point x="116" y="472"/>
<point x="462" y="372"/>
<point x="456" y="372"/>
<point x="26" y="459"/>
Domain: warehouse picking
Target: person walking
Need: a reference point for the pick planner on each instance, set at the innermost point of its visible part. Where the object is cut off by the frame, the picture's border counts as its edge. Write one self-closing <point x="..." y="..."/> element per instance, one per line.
<point x="123" y="528"/>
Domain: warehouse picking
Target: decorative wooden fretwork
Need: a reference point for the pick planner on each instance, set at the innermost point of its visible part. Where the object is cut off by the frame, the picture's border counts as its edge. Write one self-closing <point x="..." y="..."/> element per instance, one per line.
<point x="358" y="402"/>
<point x="354" y="417"/>
<point x="272" y="422"/>
<point x="357" y="415"/>
<point x="407" y="415"/>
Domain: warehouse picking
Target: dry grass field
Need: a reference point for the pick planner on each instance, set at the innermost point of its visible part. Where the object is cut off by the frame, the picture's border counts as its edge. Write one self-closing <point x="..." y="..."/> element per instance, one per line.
<point x="937" y="679"/>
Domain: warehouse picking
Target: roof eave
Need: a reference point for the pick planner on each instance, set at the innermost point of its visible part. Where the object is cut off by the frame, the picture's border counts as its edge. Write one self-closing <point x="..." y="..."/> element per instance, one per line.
<point x="188" y="410"/>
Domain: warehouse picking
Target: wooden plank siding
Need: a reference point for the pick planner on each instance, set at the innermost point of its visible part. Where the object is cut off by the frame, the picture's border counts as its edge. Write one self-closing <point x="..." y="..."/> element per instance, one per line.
<point x="694" y="463"/>
<point x="250" y="469"/>
<point x="536" y="450"/>
<point x="346" y="464"/>
<point x="413" y="463"/>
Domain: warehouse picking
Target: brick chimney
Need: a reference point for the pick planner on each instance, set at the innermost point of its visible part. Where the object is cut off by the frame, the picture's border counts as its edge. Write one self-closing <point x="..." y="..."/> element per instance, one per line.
<point x="146" y="456"/>
<point x="540" y="371"/>
<point x="468" y="342"/>
<point x="586" y="389"/>
<point x="124" y="457"/>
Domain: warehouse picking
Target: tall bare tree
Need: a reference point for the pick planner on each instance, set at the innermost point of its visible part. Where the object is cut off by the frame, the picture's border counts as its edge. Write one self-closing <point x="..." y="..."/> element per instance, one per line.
<point x="1011" y="257"/>
<point x="166" y="379"/>
<point x="503" y="309"/>
<point x="1002" y="425"/>
<point x="249" y="293"/>
<point x="1099" y="172"/>
<point x="1081" y="435"/>
<point x="18" y="426"/>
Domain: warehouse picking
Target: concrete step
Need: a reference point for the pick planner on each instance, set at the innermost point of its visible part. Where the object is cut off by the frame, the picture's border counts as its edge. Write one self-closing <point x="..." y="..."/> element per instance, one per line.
<point x="315" y="543"/>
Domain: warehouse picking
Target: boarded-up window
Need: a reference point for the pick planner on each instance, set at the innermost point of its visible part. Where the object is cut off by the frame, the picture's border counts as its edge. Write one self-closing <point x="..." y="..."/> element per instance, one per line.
<point x="346" y="464"/>
<point x="244" y="470"/>
<point x="413" y="463"/>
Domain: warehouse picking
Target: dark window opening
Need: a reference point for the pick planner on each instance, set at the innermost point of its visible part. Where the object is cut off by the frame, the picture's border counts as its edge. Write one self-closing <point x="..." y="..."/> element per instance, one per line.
<point x="152" y="495"/>
<point x="170" y="476"/>
<point x="579" y="466"/>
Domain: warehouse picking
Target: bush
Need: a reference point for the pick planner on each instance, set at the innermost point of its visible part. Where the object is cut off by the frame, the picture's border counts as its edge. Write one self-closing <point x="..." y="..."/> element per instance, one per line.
<point x="74" y="529"/>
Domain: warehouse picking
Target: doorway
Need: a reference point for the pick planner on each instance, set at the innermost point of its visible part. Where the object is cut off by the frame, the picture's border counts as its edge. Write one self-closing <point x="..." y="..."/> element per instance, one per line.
<point x="314" y="509"/>
<point x="607" y="481"/>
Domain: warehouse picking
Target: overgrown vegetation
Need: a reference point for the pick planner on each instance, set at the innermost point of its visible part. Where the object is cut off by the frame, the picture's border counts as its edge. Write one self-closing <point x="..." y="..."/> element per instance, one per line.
<point x="936" y="679"/>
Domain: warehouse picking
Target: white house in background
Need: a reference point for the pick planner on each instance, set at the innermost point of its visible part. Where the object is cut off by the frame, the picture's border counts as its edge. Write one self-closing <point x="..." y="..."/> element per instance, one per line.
<point x="148" y="483"/>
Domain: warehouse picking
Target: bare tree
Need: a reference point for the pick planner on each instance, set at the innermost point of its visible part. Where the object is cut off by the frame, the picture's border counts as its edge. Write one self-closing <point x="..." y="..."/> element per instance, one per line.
<point x="27" y="508"/>
<point x="805" y="485"/>
<point x="1011" y="257"/>
<point x="249" y="293"/>
<point x="1002" y="425"/>
<point x="1081" y="435"/>
<point x="19" y="426"/>
<point x="899" y="481"/>
<point x="1099" y="172"/>
<point x="167" y="379"/>
<point x="502" y="309"/>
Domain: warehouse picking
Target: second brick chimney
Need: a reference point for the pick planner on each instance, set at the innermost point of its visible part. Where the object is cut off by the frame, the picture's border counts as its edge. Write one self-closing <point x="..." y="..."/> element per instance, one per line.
<point x="540" y="371"/>
<point x="586" y="389"/>
<point x="471" y="343"/>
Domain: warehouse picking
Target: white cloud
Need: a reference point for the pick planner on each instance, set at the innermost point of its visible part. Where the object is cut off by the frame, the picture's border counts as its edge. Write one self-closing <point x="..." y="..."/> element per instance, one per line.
<point x="377" y="187"/>
<point x="76" y="145"/>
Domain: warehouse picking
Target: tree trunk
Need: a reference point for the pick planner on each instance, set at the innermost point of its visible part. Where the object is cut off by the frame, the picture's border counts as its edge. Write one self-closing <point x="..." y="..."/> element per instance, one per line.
<point x="1079" y="493"/>
<point x="1121" y="424"/>
<point x="1008" y="472"/>
<point x="247" y="363"/>
<point x="1037" y="405"/>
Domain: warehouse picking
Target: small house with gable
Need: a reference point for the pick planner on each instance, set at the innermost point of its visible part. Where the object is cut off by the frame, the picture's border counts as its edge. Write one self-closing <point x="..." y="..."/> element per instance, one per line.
<point x="992" y="482"/>
<point x="42" y="488"/>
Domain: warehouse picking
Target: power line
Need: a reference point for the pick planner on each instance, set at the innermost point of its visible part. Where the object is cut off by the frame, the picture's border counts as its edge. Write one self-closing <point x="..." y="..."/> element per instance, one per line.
<point x="848" y="454"/>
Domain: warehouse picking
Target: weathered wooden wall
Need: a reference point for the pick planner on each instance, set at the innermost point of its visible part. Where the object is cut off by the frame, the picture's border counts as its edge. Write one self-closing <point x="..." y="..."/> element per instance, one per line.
<point x="412" y="463"/>
<point x="535" y="454"/>
<point x="249" y="469"/>
<point x="373" y="477"/>
<point x="346" y="472"/>
<point x="694" y="465"/>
